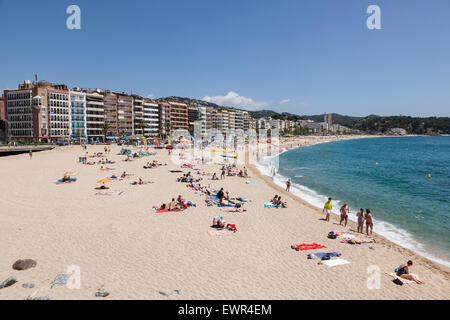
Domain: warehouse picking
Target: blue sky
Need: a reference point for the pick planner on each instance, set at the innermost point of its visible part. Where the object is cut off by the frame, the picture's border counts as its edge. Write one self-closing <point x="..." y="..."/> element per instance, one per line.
<point x="299" y="56"/>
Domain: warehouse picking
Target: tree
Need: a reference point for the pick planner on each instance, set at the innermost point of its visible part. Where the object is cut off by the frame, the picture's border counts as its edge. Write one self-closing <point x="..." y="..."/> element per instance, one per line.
<point x="168" y="126"/>
<point x="141" y="125"/>
<point x="105" y="129"/>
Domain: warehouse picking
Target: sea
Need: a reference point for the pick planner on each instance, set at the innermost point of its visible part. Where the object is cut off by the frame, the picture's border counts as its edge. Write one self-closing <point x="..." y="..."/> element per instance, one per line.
<point x="405" y="181"/>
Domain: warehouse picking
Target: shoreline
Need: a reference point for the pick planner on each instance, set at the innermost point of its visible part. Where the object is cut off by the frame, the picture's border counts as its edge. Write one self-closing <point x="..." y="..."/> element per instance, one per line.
<point x="120" y="242"/>
<point x="351" y="225"/>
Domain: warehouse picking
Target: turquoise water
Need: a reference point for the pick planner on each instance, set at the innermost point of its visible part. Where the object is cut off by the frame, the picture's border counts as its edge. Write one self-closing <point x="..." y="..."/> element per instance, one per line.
<point x="387" y="175"/>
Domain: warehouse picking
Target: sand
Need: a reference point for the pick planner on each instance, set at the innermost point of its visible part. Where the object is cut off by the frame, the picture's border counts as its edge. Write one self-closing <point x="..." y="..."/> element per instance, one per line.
<point x="121" y="243"/>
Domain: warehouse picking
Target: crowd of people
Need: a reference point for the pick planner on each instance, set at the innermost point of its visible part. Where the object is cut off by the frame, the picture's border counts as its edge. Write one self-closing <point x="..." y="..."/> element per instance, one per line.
<point x="363" y="217"/>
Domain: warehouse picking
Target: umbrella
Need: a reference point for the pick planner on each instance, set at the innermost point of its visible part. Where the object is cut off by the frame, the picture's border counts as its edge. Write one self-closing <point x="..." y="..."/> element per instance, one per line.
<point x="104" y="181"/>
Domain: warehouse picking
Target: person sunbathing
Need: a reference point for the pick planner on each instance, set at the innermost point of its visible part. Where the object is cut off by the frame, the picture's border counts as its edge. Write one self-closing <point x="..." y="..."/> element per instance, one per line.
<point x="274" y="200"/>
<point x="66" y="178"/>
<point x="218" y="222"/>
<point x="281" y="203"/>
<point x="172" y="205"/>
<point x="214" y="177"/>
<point x="403" y="272"/>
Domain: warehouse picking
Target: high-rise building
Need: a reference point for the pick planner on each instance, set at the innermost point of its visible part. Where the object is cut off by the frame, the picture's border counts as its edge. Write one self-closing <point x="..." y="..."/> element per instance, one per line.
<point x="138" y="115"/>
<point x="178" y="115"/>
<point x="164" y="117"/>
<point x="329" y="121"/>
<point x="125" y="114"/>
<point x="194" y="115"/>
<point x="2" y="117"/>
<point x="95" y="115"/>
<point x="38" y="110"/>
<point x="78" y="128"/>
<point x="111" y="115"/>
<point x="151" y="118"/>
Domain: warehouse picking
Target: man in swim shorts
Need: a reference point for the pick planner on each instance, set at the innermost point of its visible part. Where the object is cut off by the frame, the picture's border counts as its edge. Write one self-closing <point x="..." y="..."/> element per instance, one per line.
<point x="344" y="214"/>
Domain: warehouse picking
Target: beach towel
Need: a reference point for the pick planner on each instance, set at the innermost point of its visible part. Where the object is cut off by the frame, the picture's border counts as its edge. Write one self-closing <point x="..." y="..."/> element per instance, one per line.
<point x="109" y="193"/>
<point x="336" y="262"/>
<point x="405" y="281"/>
<point x="167" y="210"/>
<point x="250" y="182"/>
<point x="220" y="232"/>
<point x="320" y="255"/>
<point x="271" y="205"/>
<point x="313" y="246"/>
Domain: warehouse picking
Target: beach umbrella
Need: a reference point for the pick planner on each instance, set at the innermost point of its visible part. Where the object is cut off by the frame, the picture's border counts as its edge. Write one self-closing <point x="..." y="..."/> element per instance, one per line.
<point x="104" y="181"/>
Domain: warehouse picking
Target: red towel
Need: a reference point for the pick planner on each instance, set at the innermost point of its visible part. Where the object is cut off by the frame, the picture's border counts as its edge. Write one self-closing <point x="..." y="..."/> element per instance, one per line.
<point x="305" y="246"/>
<point x="167" y="210"/>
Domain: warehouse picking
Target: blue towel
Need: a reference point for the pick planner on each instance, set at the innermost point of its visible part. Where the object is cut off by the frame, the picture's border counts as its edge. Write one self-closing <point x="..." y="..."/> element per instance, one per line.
<point x="320" y="255"/>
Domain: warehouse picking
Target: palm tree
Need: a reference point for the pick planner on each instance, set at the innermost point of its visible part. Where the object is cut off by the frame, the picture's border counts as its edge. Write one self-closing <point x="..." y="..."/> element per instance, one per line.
<point x="168" y="126"/>
<point x="141" y="125"/>
<point x="105" y="129"/>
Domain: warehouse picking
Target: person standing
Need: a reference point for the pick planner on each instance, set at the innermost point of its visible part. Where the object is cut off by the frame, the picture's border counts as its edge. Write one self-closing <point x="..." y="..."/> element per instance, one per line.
<point x="31" y="154"/>
<point x="288" y="185"/>
<point x="344" y="214"/>
<point x="360" y="216"/>
<point x="327" y="209"/>
<point x="369" y="222"/>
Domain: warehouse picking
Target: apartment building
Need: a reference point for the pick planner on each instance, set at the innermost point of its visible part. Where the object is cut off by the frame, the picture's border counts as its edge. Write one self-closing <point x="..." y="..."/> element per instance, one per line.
<point x="110" y="113"/>
<point x="164" y="117"/>
<point x="231" y="121"/>
<point x="37" y="110"/>
<point x="77" y="102"/>
<point x="95" y="115"/>
<point x="125" y="114"/>
<point x="194" y="115"/>
<point x="178" y="115"/>
<point x="138" y="115"/>
<point x="2" y="117"/>
<point x="151" y="118"/>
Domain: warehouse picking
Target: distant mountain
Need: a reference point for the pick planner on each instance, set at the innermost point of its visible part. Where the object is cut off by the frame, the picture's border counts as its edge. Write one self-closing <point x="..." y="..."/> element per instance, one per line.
<point x="370" y="124"/>
<point x="429" y="126"/>
<point x="191" y="102"/>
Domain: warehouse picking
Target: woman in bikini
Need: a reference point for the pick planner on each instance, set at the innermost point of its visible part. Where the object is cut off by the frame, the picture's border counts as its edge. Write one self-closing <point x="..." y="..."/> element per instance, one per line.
<point x="403" y="272"/>
<point x="369" y="222"/>
<point x="360" y="216"/>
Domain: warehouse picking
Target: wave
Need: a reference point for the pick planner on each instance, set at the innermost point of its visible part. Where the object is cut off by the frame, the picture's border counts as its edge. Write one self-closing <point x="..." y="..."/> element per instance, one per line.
<point x="385" y="229"/>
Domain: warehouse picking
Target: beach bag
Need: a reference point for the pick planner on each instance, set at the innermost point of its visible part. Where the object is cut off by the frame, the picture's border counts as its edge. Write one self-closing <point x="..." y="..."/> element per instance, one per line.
<point x="331" y="235"/>
<point x="398" y="282"/>
<point x="232" y="227"/>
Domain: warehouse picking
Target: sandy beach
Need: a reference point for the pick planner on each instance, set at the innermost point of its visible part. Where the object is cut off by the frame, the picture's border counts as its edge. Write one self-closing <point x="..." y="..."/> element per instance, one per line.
<point x="120" y="242"/>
